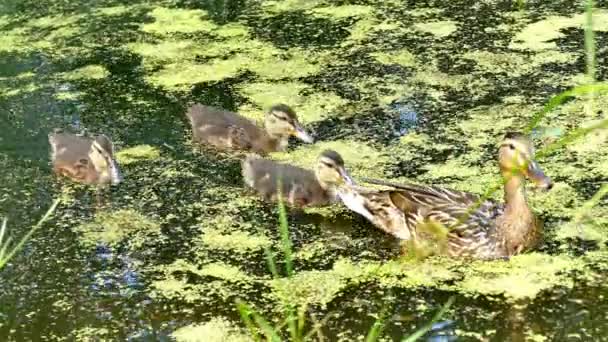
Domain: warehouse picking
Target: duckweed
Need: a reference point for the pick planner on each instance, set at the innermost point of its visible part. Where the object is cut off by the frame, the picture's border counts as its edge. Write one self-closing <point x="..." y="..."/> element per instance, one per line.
<point x="207" y="248"/>
<point x="312" y="106"/>
<point x="86" y="72"/>
<point x="117" y="227"/>
<point x="438" y="28"/>
<point x="237" y="242"/>
<point x="174" y="20"/>
<point x="216" y="330"/>
<point x="361" y="159"/>
<point x="541" y="35"/>
<point x="137" y="153"/>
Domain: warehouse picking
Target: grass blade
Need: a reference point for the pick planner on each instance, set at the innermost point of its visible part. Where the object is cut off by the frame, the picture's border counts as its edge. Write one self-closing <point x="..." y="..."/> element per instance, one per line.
<point x="16" y="248"/>
<point x="427" y="327"/>
<point x="284" y="231"/>
<point x="246" y="312"/>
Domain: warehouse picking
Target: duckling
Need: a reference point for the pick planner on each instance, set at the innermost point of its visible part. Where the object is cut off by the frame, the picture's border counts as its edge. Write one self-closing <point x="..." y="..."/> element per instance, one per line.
<point x="476" y="228"/>
<point x="299" y="187"/>
<point x="88" y="160"/>
<point x="226" y="130"/>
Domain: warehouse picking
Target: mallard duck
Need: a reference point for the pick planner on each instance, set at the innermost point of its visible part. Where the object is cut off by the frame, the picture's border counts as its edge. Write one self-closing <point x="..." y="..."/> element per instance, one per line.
<point x="226" y="130"/>
<point x="299" y="187"/>
<point x="84" y="159"/>
<point x="476" y="228"/>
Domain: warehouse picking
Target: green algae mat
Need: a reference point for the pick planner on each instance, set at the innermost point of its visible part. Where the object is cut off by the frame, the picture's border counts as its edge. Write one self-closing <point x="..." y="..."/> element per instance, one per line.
<point x="404" y="90"/>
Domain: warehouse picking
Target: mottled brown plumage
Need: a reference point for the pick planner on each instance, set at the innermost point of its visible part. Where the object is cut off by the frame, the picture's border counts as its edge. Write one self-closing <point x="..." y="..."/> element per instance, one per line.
<point x="474" y="228"/>
<point x="226" y="130"/>
<point x="88" y="160"/>
<point x="299" y="187"/>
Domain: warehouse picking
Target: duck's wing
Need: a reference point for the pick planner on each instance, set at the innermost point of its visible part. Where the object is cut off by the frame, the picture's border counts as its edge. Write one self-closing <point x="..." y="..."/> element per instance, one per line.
<point x="461" y="212"/>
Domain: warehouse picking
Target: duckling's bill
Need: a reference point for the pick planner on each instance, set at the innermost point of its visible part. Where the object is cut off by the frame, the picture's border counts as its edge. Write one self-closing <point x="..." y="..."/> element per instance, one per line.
<point x="345" y="176"/>
<point x="301" y="134"/>
<point x="115" y="174"/>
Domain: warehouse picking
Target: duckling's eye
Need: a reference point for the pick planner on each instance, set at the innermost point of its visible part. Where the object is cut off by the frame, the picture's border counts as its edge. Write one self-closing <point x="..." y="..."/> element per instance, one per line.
<point x="327" y="164"/>
<point x="511" y="146"/>
<point x="282" y="118"/>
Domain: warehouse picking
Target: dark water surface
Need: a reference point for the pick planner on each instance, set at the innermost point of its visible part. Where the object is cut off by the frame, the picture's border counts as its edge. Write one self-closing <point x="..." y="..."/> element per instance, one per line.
<point x="418" y="90"/>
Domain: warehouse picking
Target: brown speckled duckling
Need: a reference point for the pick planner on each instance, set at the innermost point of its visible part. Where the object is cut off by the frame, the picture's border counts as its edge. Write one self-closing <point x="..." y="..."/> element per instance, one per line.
<point x="299" y="187"/>
<point x="226" y="130"/>
<point x="88" y="160"/>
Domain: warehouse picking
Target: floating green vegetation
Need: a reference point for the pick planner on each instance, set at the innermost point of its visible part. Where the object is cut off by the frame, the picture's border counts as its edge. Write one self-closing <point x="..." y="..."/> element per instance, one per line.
<point x="431" y="75"/>
<point x="216" y="330"/>
<point x="385" y="90"/>
<point x="343" y="11"/>
<point x="224" y="271"/>
<point x="90" y="333"/>
<point x="309" y="287"/>
<point x="173" y="50"/>
<point x="91" y="72"/>
<point x="516" y="64"/>
<point x="238" y="242"/>
<point x="177" y="20"/>
<point x="524" y="276"/>
<point x="402" y="57"/>
<point x="115" y="10"/>
<point x="310" y="107"/>
<point x="116" y="227"/>
<point x="365" y="27"/>
<point x="290" y="5"/>
<point x="439" y="29"/>
<point x="136" y="154"/>
<point x="184" y="75"/>
<point x="542" y="34"/>
<point x="218" y="281"/>
<point x="19" y="84"/>
<point x="361" y="159"/>
<point x="259" y="57"/>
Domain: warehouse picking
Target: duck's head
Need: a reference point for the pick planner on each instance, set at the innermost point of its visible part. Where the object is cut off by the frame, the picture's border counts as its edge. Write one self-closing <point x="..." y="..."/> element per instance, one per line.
<point x="330" y="170"/>
<point x="516" y="159"/>
<point x="282" y="122"/>
<point x="101" y="155"/>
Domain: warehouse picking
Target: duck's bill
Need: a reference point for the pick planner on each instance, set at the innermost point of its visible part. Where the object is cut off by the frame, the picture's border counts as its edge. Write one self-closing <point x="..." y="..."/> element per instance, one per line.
<point x="301" y="134"/>
<point x="115" y="174"/>
<point x="536" y="175"/>
<point x="347" y="178"/>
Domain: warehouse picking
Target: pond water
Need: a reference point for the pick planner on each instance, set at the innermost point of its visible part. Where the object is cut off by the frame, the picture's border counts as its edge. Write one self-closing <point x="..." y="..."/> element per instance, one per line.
<point x="404" y="90"/>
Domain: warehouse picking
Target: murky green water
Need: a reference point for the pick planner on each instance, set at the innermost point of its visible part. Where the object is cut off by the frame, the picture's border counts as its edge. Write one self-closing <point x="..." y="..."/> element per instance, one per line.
<point x="420" y="91"/>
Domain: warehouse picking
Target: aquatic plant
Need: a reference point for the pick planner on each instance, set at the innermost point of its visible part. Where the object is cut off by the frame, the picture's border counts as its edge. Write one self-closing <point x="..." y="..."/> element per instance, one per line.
<point x="296" y="315"/>
<point x="6" y="251"/>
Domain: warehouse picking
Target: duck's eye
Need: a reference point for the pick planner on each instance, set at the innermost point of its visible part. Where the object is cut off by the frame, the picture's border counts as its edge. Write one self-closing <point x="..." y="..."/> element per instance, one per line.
<point x="511" y="146"/>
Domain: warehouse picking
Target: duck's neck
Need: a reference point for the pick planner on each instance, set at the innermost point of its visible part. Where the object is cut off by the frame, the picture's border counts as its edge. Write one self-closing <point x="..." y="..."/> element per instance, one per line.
<point x="515" y="194"/>
<point x="518" y="220"/>
<point x="275" y="143"/>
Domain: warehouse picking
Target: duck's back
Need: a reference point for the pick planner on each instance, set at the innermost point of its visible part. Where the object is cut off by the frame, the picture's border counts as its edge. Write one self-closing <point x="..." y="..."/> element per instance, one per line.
<point x="216" y="126"/>
<point x="67" y="148"/>
<point x="299" y="186"/>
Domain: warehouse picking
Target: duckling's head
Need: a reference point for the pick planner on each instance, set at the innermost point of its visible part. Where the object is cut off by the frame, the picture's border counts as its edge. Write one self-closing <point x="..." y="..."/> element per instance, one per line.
<point x="102" y="157"/>
<point x="330" y="171"/>
<point x="282" y="122"/>
<point x="516" y="158"/>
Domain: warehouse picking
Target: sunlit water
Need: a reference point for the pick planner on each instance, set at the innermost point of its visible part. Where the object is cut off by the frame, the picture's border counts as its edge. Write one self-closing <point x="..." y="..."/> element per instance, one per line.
<point x="397" y="86"/>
